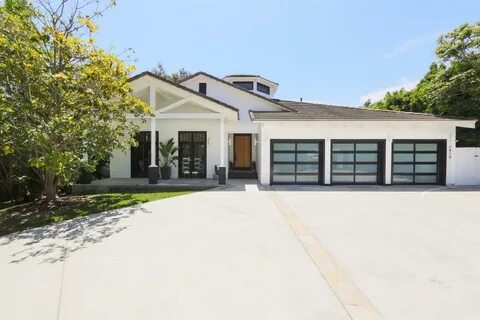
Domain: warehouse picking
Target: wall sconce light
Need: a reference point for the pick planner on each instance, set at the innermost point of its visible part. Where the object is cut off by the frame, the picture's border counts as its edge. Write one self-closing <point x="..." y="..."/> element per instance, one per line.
<point x="255" y="142"/>
<point x="229" y="141"/>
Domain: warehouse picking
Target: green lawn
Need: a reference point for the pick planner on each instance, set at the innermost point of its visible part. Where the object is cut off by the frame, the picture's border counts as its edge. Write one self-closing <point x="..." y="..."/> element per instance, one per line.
<point x="35" y="214"/>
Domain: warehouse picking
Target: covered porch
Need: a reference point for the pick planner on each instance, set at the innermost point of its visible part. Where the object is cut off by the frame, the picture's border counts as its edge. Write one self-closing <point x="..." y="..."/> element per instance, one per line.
<point x="196" y="123"/>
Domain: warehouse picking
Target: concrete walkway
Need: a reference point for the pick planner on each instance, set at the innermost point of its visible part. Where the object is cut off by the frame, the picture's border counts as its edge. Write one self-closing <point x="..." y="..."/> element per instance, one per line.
<point x="210" y="255"/>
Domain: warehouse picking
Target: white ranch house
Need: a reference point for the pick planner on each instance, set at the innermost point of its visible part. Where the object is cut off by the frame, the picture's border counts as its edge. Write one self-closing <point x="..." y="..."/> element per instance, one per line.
<point x="235" y="123"/>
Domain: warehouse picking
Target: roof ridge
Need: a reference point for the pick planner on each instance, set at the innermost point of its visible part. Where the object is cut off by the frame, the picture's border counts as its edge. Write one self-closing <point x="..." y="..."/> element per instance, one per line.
<point x="317" y="104"/>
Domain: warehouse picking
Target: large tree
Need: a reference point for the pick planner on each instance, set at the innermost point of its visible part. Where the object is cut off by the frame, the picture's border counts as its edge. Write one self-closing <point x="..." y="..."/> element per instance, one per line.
<point x="452" y="85"/>
<point x="178" y="76"/>
<point x="63" y="100"/>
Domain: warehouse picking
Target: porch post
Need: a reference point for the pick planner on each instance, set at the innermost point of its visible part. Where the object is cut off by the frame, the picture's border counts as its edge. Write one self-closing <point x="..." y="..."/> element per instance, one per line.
<point x="153" y="168"/>
<point x="222" y="171"/>
<point x="222" y="142"/>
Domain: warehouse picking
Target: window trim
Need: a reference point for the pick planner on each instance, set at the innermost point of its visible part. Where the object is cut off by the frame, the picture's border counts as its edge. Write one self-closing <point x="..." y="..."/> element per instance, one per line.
<point x="236" y="83"/>
<point x="267" y="88"/>
<point x="380" y="161"/>
<point x="441" y="161"/>
<point x="321" y="161"/>
<point x="202" y="85"/>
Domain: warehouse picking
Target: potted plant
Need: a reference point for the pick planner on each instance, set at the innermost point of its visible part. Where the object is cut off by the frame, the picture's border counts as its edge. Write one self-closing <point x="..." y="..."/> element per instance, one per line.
<point x="167" y="151"/>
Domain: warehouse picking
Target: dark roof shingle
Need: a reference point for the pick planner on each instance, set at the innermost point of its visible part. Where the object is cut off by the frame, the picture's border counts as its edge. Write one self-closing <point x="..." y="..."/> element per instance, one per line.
<point x="316" y="111"/>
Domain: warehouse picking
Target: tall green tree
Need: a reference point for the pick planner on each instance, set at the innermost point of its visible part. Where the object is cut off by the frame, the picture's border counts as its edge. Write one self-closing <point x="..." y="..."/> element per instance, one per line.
<point x="63" y="100"/>
<point x="178" y="76"/>
<point x="452" y="85"/>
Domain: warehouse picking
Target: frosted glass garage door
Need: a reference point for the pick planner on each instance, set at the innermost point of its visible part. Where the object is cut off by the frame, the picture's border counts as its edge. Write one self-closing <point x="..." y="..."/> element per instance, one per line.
<point x="296" y="162"/>
<point x="418" y="162"/>
<point x="357" y="162"/>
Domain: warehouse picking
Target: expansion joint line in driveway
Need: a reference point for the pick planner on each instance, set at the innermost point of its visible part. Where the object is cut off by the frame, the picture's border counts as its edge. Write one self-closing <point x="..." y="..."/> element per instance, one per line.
<point x="353" y="300"/>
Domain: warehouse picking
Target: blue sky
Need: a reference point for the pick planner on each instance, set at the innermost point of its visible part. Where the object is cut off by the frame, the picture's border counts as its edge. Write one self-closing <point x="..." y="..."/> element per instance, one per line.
<point x="338" y="52"/>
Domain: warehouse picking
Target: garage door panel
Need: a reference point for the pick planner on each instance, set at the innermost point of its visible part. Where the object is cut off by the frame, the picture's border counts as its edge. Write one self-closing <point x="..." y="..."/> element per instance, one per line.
<point x="296" y="161"/>
<point x="418" y="162"/>
<point x="342" y="168"/>
<point x="283" y="168"/>
<point x="357" y="161"/>
<point x="284" y="157"/>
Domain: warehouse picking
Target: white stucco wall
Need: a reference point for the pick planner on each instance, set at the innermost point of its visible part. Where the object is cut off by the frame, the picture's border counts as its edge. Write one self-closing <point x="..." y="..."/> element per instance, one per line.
<point x="236" y="98"/>
<point x="330" y="130"/>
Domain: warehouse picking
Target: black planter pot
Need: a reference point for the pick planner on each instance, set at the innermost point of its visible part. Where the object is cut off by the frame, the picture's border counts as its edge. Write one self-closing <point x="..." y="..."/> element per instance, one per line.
<point x="85" y="177"/>
<point x="165" y="173"/>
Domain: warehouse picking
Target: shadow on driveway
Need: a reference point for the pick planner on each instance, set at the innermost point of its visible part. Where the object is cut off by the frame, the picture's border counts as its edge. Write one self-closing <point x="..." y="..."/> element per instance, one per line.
<point x="54" y="243"/>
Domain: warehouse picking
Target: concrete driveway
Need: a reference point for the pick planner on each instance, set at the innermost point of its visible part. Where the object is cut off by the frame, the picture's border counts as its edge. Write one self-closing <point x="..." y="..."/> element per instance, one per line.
<point x="244" y="253"/>
<point x="413" y="251"/>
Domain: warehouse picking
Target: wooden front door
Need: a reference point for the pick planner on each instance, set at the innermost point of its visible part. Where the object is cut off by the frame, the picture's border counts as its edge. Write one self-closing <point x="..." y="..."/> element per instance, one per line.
<point x="242" y="151"/>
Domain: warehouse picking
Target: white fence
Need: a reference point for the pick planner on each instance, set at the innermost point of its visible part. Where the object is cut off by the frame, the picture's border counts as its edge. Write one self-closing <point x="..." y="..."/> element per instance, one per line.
<point x="467" y="166"/>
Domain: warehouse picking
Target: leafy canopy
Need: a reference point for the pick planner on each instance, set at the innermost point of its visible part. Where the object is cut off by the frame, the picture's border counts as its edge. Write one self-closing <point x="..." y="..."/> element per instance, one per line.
<point x="451" y="87"/>
<point x="63" y="100"/>
<point x="178" y="76"/>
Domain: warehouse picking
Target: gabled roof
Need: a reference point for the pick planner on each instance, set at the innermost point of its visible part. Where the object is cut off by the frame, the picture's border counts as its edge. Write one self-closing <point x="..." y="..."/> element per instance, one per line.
<point x="148" y="73"/>
<point x="272" y="101"/>
<point x="315" y="111"/>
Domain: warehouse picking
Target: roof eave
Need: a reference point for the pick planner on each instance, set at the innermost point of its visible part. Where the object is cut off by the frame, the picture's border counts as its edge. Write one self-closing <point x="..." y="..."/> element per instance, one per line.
<point x="458" y="123"/>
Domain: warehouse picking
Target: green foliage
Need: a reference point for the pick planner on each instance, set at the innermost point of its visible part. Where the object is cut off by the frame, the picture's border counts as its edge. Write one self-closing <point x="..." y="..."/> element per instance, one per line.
<point x="31" y="215"/>
<point x="167" y="151"/>
<point x="452" y="85"/>
<point x="178" y="76"/>
<point x="63" y="100"/>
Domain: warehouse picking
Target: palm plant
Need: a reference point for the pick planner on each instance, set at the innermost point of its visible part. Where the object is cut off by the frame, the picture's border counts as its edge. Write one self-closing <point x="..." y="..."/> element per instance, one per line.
<point x="167" y="151"/>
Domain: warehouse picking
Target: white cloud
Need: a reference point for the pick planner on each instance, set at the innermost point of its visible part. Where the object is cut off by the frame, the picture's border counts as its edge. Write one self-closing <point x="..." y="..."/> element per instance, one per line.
<point x="412" y="43"/>
<point x="378" y="94"/>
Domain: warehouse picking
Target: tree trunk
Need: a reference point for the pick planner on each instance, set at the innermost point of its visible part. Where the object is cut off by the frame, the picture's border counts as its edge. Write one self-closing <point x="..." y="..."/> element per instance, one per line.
<point x="50" y="186"/>
<point x="6" y="176"/>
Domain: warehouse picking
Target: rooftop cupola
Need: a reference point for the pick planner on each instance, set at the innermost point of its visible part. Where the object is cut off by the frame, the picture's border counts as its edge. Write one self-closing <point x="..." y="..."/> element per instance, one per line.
<point x="254" y="83"/>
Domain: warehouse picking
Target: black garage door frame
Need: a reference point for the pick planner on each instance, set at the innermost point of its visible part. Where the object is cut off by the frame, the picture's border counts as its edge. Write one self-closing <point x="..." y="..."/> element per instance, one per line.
<point x="441" y="159"/>
<point x="321" y="160"/>
<point x="380" y="160"/>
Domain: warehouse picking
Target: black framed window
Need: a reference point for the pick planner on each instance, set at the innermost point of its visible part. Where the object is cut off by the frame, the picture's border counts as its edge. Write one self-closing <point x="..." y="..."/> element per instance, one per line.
<point x="202" y="87"/>
<point x="263" y="88"/>
<point x="244" y="84"/>
<point x="357" y="161"/>
<point x="140" y="155"/>
<point x="418" y="162"/>
<point x="296" y="161"/>
<point x="192" y="154"/>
